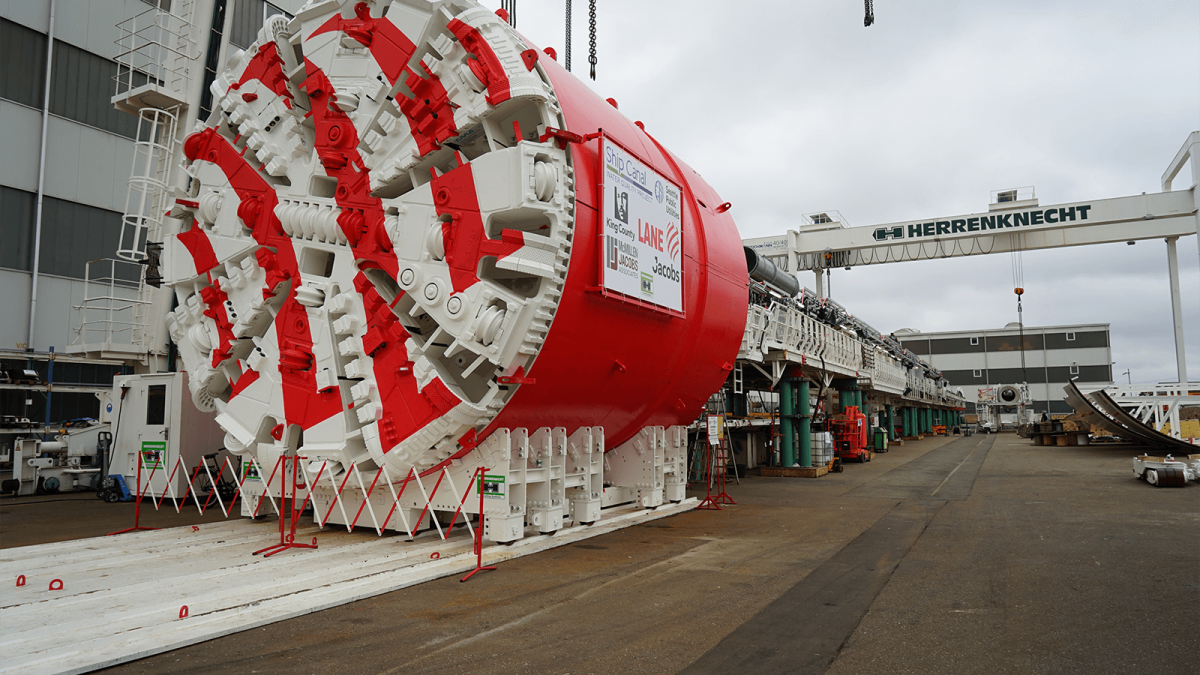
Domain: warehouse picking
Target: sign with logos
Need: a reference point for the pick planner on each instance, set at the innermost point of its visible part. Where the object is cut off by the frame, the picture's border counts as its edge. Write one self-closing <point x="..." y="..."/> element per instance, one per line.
<point x="643" y="231"/>
<point x="153" y="454"/>
<point x="492" y="486"/>
<point x="716" y="429"/>
<point x="984" y="224"/>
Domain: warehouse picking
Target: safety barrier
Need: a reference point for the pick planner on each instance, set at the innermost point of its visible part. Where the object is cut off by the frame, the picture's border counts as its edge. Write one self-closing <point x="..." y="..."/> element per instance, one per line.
<point x="288" y="517"/>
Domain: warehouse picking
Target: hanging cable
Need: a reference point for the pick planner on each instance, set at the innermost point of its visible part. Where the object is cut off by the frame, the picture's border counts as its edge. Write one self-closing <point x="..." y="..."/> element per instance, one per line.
<point x="592" y="27"/>
<point x="567" y="42"/>
<point x="510" y="8"/>
<point x="870" y="18"/>
<point x="1017" y="261"/>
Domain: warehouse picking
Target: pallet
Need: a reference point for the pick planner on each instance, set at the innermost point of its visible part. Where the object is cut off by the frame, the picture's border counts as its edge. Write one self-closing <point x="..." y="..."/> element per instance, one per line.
<point x="1061" y="438"/>
<point x="795" y="471"/>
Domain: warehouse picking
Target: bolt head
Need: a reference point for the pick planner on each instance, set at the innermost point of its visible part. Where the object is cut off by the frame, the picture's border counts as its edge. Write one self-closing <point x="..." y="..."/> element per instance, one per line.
<point x="407" y="277"/>
<point x="431" y="291"/>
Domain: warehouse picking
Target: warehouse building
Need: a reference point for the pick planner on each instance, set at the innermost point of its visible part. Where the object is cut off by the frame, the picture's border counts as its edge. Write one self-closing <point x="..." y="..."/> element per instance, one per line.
<point x="80" y="168"/>
<point x="980" y="359"/>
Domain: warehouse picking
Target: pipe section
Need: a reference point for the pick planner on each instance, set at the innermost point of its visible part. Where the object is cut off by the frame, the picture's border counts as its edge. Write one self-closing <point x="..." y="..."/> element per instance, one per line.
<point x="764" y="270"/>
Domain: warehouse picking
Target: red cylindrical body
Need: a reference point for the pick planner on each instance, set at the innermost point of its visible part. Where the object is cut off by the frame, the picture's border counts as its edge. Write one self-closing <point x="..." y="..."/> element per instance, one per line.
<point x="618" y="365"/>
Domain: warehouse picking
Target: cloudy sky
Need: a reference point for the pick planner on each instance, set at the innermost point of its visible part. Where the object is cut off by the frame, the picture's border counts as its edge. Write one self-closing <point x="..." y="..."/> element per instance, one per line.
<point x="794" y="107"/>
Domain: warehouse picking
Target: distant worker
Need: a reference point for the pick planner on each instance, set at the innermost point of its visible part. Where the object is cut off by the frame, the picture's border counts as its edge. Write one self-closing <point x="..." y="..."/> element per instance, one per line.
<point x="1045" y="417"/>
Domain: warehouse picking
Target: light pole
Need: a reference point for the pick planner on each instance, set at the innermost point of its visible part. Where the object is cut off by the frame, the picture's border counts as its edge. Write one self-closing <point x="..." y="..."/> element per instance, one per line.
<point x="1128" y="377"/>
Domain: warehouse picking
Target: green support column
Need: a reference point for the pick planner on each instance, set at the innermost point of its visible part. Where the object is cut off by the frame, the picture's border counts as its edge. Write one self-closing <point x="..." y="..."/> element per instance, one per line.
<point x="787" y="454"/>
<point x="891" y="423"/>
<point x="904" y="423"/>
<point x="739" y="405"/>
<point x="929" y="420"/>
<point x="805" y="425"/>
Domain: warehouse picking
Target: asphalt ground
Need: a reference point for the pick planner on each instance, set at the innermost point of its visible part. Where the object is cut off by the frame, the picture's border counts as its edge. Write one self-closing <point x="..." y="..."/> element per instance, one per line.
<point x="982" y="554"/>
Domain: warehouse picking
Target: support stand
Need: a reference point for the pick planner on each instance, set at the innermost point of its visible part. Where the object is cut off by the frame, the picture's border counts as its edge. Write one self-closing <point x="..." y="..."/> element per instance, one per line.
<point x="137" y="500"/>
<point x="479" y="566"/>
<point x="717" y="460"/>
<point x="287" y="537"/>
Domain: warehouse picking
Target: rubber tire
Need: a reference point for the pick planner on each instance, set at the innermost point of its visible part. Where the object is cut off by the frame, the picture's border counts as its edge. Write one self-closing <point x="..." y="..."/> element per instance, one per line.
<point x="1151" y="476"/>
<point x="112" y="496"/>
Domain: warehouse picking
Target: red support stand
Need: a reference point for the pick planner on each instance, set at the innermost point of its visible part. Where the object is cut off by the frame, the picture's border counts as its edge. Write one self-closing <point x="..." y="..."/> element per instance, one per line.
<point x="713" y="502"/>
<point x="287" y="535"/>
<point x="137" y="508"/>
<point x="479" y="566"/>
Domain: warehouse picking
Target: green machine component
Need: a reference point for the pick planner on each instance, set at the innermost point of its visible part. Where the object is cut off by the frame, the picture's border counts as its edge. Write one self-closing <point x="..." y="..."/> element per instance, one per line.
<point x="805" y="425"/>
<point x="787" y="455"/>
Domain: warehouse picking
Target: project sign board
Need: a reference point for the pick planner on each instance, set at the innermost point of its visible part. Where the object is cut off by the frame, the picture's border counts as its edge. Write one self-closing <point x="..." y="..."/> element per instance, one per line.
<point x="716" y="429"/>
<point x="643" y="233"/>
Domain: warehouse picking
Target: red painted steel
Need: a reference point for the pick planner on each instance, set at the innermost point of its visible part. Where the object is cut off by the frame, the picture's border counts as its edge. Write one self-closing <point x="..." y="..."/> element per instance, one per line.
<point x="617" y="365"/>
<point x="606" y="361"/>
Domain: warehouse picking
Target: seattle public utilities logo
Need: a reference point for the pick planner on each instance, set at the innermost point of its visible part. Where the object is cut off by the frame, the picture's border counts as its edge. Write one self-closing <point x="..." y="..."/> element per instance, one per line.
<point x="658" y="191"/>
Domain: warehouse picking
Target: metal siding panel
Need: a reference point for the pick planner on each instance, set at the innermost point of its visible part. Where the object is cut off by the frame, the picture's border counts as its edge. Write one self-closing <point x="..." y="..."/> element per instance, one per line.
<point x="21" y="51"/>
<point x="997" y="376"/>
<point x="19" y="146"/>
<point x="964" y="378"/>
<point x="102" y="32"/>
<point x="247" y="19"/>
<point x="17" y="212"/>
<point x="96" y="162"/>
<point x="62" y="158"/>
<point x="955" y="346"/>
<point x="71" y="20"/>
<point x="56" y="298"/>
<point x="34" y="14"/>
<point x="14" y="307"/>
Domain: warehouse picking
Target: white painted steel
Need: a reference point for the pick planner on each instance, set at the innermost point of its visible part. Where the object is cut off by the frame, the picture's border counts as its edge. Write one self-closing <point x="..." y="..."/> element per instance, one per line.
<point x="1176" y="308"/>
<point x="41" y="182"/>
<point x="122" y="595"/>
<point x="1149" y="216"/>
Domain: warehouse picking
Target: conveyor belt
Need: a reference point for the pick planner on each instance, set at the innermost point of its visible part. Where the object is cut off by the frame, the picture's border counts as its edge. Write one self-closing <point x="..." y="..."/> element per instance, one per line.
<point x="1100" y="409"/>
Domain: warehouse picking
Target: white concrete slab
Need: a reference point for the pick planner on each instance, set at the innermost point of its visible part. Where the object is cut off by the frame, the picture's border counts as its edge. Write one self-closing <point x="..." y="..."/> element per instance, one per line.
<point x="122" y="595"/>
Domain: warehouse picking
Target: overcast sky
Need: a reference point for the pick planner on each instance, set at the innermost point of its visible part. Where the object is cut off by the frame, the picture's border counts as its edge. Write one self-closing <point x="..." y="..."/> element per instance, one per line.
<point x="792" y="107"/>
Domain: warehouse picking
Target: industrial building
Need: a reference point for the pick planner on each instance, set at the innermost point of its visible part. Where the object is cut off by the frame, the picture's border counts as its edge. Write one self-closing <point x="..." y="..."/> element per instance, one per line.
<point x="67" y="147"/>
<point x="1050" y="356"/>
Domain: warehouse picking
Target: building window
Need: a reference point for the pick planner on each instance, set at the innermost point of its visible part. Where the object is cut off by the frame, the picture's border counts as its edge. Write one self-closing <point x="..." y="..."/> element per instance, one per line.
<point x="977" y="372"/>
<point x="974" y="341"/>
<point x="1070" y="336"/>
<point x="1074" y="370"/>
<point x="248" y="18"/>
